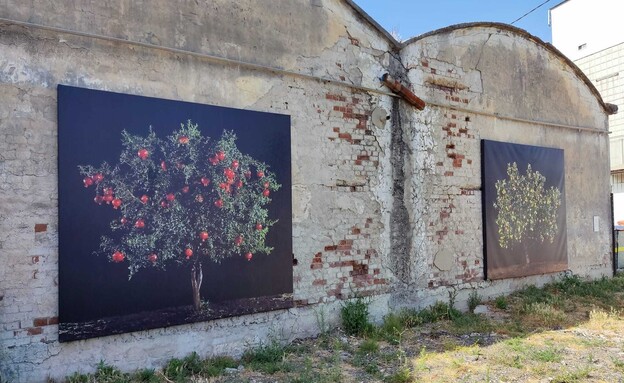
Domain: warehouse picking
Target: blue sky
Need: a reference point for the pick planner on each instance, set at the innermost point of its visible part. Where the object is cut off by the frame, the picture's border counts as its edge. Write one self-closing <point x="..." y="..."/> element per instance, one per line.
<point x="414" y="17"/>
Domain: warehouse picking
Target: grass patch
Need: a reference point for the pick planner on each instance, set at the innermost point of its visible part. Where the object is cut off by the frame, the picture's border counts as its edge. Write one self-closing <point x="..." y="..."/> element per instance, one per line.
<point x="369" y="346"/>
<point x="404" y="375"/>
<point x="572" y="376"/>
<point x="517" y="346"/>
<point x="547" y="355"/>
<point x="501" y="302"/>
<point x="437" y="312"/>
<point x="543" y="315"/>
<point x="267" y="358"/>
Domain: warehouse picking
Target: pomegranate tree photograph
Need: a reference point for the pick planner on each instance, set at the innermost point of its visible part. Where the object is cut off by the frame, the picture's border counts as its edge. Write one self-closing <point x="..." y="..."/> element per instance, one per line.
<point x="169" y="222"/>
<point x="184" y="200"/>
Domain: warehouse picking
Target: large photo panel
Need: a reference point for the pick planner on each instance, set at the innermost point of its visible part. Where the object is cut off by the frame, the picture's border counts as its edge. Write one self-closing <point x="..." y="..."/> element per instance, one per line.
<point x="169" y="212"/>
<point x="524" y="213"/>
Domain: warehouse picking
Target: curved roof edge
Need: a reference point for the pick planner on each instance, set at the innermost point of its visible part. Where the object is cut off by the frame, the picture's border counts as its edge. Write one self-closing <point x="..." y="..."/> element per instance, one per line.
<point x="395" y="43"/>
<point x="608" y="108"/>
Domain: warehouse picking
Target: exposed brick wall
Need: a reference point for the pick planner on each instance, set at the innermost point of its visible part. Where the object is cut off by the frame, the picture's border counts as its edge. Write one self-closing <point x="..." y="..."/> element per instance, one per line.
<point x="353" y="138"/>
<point x="349" y="267"/>
<point x="351" y="264"/>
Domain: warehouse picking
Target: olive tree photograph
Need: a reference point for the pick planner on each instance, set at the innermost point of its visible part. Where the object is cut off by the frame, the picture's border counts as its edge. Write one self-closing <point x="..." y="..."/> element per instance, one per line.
<point x="180" y="213"/>
<point x="524" y="210"/>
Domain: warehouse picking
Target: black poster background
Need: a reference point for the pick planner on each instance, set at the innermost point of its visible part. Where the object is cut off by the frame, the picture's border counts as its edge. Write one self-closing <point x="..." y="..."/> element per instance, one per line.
<point x="545" y="257"/>
<point x="91" y="287"/>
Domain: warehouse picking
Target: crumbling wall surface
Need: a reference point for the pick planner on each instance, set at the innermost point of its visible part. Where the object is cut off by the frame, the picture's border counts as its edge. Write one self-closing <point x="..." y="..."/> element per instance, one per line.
<point x="340" y="160"/>
<point x="496" y="83"/>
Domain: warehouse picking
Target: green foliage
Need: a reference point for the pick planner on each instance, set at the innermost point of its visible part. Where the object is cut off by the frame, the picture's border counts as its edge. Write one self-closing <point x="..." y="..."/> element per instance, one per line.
<point x="603" y="289"/>
<point x="268" y="358"/>
<point x="189" y="184"/>
<point x="369" y="346"/>
<point x="533" y="294"/>
<point x="547" y="355"/>
<point x="78" y="378"/>
<point x="310" y="374"/>
<point x="501" y="302"/>
<point x="404" y="375"/>
<point x="438" y="311"/>
<point x="392" y="327"/>
<point x="355" y="317"/>
<point x="526" y="209"/>
<point x="474" y="300"/>
<point x="179" y="369"/>
<point x="579" y="375"/>
<point x="471" y="323"/>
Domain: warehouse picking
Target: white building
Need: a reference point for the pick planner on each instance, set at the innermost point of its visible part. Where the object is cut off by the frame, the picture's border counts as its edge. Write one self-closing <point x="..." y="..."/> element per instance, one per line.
<point x="591" y="33"/>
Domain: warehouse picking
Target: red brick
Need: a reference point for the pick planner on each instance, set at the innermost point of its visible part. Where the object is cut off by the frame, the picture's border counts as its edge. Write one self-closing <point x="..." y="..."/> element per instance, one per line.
<point x="37" y="322"/>
<point x="41" y="227"/>
<point x="319" y="282"/>
<point x="345" y="136"/>
<point x="316" y="266"/>
<point x="34" y="330"/>
<point x="331" y="248"/>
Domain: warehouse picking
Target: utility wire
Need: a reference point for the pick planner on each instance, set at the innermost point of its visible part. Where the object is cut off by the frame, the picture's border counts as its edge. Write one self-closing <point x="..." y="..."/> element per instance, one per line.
<point x="529" y="12"/>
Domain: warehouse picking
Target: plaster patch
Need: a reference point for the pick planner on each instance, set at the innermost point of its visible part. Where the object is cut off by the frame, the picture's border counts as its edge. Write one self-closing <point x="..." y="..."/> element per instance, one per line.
<point x="444" y="260"/>
<point x="252" y="89"/>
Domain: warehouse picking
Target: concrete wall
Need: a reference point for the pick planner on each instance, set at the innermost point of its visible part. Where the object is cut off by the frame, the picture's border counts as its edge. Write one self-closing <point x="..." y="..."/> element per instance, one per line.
<point x="497" y="83"/>
<point x="372" y="206"/>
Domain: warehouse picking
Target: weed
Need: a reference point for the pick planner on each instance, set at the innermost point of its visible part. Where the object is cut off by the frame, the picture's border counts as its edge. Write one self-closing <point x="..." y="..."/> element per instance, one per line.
<point x="355" y="317"/>
<point x="393" y="327"/>
<point x="474" y="300"/>
<point x="438" y="311"/>
<point x="311" y="375"/>
<point x="145" y="376"/>
<point x="369" y="346"/>
<point x="544" y="314"/>
<point x="371" y="368"/>
<point x="572" y="376"/>
<point x="321" y="322"/>
<point x="217" y="365"/>
<point x="267" y="358"/>
<point x="410" y="318"/>
<point x="78" y="378"/>
<point x="180" y="369"/>
<point x="471" y="323"/>
<point x="404" y="375"/>
<point x="501" y="302"/>
<point x="618" y="364"/>
<point x="549" y="354"/>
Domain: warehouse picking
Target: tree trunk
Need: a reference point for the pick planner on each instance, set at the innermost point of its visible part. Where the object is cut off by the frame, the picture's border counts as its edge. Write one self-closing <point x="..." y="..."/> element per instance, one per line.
<point x="196" y="281"/>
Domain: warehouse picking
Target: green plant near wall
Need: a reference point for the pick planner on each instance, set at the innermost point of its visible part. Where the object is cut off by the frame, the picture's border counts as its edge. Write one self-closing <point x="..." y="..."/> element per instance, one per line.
<point x="354" y="316"/>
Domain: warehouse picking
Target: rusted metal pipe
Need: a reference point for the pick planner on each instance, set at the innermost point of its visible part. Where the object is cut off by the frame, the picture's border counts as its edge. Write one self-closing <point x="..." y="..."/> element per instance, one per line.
<point x="403" y="91"/>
